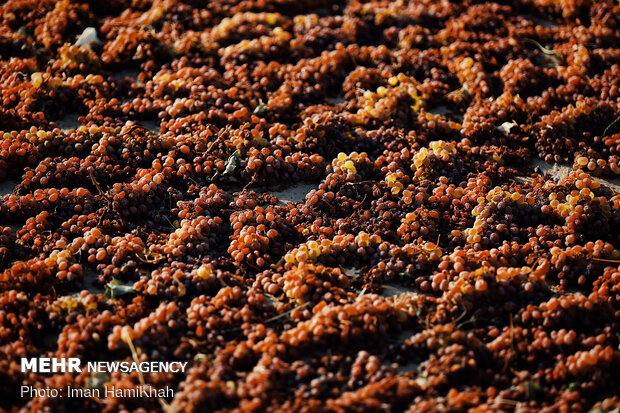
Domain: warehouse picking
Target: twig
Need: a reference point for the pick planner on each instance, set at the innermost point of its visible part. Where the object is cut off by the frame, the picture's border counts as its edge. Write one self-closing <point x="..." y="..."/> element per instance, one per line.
<point x="542" y="48"/>
<point x="277" y="317"/>
<point x="92" y="178"/>
<point x="134" y="355"/>
<point x="610" y="125"/>
<point x="252" y="181"/>
<point x="605" y="260"/>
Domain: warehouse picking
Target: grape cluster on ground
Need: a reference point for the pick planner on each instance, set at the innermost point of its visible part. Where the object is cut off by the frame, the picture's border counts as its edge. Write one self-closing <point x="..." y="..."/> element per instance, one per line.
<point x="344" y="206"/>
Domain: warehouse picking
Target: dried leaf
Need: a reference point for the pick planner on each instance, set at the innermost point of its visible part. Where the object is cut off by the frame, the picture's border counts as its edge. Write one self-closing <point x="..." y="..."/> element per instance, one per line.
<point x="114" y="289"/>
